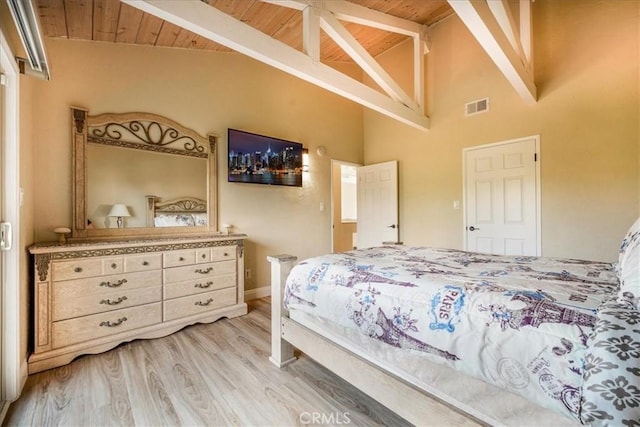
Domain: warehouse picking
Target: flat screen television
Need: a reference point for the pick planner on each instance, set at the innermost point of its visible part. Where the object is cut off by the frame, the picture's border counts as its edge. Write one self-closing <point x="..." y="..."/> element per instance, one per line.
<point x="261" y="159"/>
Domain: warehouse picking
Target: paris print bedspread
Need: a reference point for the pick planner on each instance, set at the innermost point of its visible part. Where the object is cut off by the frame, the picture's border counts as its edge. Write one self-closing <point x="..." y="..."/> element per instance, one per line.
<point x="521" y="323"/>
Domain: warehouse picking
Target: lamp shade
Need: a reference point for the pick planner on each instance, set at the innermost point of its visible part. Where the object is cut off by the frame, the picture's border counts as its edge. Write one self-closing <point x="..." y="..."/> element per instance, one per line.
<point x="119" y="211"/>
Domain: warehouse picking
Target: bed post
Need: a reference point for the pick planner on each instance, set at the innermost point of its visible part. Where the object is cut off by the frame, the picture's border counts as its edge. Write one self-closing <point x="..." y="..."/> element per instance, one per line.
<point x="281" y="351"/>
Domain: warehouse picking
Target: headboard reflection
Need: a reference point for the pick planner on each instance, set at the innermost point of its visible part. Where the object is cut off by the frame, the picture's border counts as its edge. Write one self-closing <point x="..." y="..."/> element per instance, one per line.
<point x="181" y="212"/>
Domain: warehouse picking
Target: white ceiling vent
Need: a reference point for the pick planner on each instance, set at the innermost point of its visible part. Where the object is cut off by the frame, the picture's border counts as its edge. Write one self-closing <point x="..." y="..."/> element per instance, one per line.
<point x="476" y="107"/>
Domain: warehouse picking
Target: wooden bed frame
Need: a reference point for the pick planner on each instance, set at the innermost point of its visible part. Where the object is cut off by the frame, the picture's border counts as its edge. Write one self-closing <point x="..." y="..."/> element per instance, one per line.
<point x="415" y="403"/>
<point x="182" y="205"/>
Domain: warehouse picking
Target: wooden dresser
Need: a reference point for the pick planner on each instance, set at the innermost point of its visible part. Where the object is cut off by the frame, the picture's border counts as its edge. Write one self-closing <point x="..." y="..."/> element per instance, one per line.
<point x="91" y="296"/>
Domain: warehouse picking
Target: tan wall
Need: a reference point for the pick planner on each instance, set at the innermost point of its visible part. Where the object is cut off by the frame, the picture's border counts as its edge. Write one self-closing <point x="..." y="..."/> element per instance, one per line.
<point x="587" y="74"/>
<point x="208" y="92"/>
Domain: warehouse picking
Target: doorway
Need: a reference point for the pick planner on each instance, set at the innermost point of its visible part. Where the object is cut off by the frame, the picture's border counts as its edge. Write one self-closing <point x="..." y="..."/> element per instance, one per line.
<point x="12" y="370"/>
<point x="344" y="215"/>
<point x="502" y="197"/>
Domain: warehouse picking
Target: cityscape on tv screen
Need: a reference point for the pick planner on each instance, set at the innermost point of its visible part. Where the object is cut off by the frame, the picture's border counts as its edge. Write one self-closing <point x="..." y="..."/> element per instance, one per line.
<point x="261" y="159"/>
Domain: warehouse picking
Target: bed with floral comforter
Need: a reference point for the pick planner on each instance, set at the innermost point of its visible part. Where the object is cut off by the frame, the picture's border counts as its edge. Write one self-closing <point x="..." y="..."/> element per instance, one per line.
<point x="559" y="332"/>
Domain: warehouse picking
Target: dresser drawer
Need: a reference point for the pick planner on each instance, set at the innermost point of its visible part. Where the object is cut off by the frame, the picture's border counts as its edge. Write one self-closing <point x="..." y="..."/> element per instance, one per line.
<point x="199" y="271"/>
<point x="77" y="269"/>
<point x="194" y="304"/>
<point x="73" y="331"/>
<point x="70" y="289"/>
<point x="203" y="255"/>
<point x="176" y="258"/>
<point x="86" y="304"/>
<point x="223" y="253"/>
<point x="196" y="286"/>
<point x="142" y="262"/>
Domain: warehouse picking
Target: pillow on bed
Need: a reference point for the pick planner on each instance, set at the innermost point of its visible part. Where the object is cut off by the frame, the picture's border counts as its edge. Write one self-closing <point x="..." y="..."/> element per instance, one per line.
<point x="629" y="275"/>
<point x="173" y="220"/>
<point x="611" y="387"/>
<point x="630" y="239"/>
<point x="199" y="219"/>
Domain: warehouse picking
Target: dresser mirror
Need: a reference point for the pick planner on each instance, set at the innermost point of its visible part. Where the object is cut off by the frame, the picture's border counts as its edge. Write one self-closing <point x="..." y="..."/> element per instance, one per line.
<point x="141" y="174"/>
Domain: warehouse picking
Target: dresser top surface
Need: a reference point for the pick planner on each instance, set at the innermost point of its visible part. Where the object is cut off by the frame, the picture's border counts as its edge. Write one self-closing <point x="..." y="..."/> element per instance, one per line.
<point x="82" y="245"/>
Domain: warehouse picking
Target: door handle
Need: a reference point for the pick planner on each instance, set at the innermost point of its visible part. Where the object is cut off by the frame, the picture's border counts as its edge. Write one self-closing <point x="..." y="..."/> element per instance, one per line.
<point x="472" y="228"/>
<point x="6" y="236"/>
<point x="391" y="226"/>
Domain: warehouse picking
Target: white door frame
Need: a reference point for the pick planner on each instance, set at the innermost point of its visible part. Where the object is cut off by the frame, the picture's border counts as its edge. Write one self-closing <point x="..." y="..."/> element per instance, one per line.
<point x="11" y="307"/>
<point x="536" y="138"/>
<point x="333" y="202"/>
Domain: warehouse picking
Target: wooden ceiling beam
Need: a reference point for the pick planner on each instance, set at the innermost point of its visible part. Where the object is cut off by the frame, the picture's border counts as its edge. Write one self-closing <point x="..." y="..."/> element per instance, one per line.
<point x="480" y="20"/>
<point x="219" y="27"/>
<point x="359" y="54"/>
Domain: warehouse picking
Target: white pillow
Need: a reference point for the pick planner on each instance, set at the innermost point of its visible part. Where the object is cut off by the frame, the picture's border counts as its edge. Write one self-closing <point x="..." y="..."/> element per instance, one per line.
<point x="630" y="239"/>
<point x="173" y="220"/>
<point x="630" y="274"/>
<point x="200" y="219"/>
<point x="628" y="267"/>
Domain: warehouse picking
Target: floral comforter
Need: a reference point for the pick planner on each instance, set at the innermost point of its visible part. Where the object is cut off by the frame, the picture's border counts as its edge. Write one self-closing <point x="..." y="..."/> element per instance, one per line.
<point x="525" y="324"/>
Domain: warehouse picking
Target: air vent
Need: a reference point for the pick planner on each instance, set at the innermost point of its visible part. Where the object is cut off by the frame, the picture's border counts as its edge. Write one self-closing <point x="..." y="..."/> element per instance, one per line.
<point x="476" y="107"/>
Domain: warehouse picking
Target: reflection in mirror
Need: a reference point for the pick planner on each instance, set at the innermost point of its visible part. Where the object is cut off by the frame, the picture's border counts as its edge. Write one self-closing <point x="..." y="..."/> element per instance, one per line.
<point x="117" y="175"/>
<point x="151" y="166"/>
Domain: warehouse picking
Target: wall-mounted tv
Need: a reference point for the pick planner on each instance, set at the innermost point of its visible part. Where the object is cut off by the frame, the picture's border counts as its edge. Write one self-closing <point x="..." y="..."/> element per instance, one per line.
<point x="260" y="159"/>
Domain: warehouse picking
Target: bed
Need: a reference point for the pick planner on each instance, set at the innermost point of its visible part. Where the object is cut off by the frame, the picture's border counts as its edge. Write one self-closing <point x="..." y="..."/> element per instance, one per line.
<point x="503" y="340"/>
<point x="179" y="212"/>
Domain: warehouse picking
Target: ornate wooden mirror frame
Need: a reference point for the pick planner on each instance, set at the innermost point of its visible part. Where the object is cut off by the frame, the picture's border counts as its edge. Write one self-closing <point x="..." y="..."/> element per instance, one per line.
<point x="142" y="131"/>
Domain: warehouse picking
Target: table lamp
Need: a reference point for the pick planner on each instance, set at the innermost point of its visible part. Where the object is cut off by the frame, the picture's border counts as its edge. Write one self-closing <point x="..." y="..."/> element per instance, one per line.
<point x="119" y="211"/>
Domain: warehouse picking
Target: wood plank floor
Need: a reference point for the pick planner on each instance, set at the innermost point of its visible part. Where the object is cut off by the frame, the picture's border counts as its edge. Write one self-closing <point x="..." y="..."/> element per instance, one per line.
<point x="215" y="375"/>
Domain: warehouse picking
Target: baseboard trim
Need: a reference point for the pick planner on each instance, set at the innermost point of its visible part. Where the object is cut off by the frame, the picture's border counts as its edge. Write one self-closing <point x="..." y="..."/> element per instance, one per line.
<point x="261" y="292"/>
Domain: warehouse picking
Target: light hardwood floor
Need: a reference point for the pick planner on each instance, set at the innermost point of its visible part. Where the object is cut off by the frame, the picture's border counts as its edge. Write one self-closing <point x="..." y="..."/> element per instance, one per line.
<point x="213" y="374"/>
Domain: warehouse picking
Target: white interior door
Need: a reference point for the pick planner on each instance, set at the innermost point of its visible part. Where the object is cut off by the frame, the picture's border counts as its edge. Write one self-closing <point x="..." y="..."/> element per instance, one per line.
<point x="502" y="198"/>
<point x="377" y="204"/>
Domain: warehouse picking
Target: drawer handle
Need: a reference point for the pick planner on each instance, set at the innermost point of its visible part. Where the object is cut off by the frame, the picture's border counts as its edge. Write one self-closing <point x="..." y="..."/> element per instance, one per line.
<point x="226" y="254"/>
<point x="205" y="303"/>
<point x="116" y="302"/>
<point x="201" y="286"/>
<point x="145" y="262"/>
<point x="78" y="269"/>
<point x="181" y="259"/>
<point x="207" y="271"/>
<point x="204" y="256"/>
<point x="114" y="265"/>
<point x="114" y="285"/>
<point x="118" y="322"/>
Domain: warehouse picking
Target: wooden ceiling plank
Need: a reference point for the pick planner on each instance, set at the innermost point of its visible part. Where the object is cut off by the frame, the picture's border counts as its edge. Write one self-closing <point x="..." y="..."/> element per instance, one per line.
<point x="351" y="12"/>
<point x="235" y="8"/>
<point x="184" y="39"/>
<point x="209" y="22"/>
<point x="478" y="18"/>
<point x="128" y="24"/>
<point x="168" y="34"/>
<point x="149" y="30"/>
<point x="79" y="16"/>
<point x="105" y="20"/>
<point x="354" y="49"/>
<point x="52" y="18"/>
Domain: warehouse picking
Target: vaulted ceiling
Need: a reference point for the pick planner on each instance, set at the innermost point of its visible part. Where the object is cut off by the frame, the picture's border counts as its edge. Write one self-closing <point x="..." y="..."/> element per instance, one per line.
<point x="113" y="21"/>
<point x="300" y="36"/>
